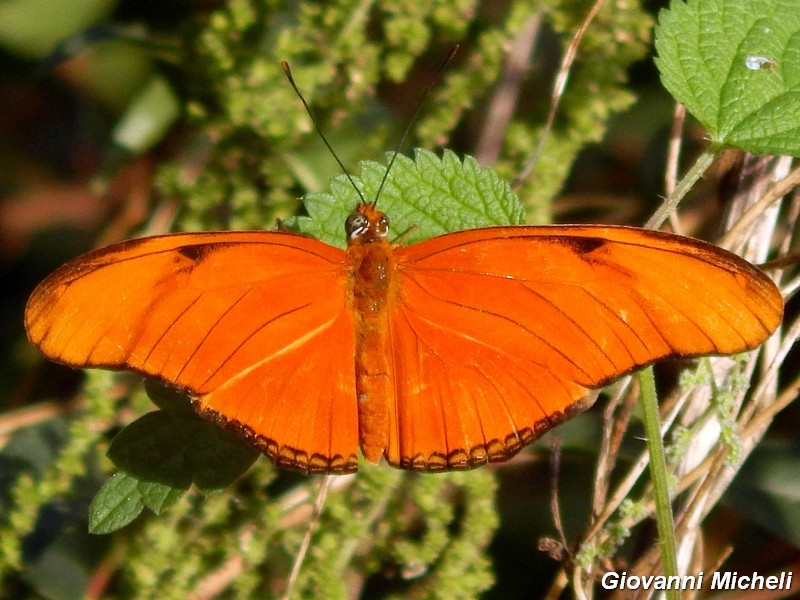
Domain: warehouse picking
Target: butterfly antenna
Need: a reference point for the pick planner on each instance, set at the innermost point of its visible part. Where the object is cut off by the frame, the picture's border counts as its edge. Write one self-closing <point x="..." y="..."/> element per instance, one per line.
<point x="288" y="73"/>
<point x="413" y="119"/>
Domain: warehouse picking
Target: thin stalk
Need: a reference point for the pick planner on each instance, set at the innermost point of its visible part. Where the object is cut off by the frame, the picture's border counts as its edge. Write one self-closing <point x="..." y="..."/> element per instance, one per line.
<point x="658" y="471"/>
<point x="684" y="185"/>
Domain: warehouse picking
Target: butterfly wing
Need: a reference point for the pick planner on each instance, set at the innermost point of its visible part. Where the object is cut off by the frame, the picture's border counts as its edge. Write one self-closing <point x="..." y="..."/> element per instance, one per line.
<point x="498" y="333"/>
<point x="255" y="325"/>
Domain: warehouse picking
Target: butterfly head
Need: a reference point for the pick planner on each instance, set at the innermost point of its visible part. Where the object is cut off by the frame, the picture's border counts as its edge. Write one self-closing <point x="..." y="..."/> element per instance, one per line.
<point x="366" y="225"/>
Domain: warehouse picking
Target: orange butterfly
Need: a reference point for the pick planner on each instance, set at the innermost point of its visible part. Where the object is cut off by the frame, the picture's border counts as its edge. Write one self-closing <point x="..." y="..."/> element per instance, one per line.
<point x="444" y="354"/>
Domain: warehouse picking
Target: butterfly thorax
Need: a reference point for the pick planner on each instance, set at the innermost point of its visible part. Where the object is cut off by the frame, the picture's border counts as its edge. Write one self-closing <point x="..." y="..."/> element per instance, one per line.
<point x="373" y="261"/>
<point x="374" y="288"/>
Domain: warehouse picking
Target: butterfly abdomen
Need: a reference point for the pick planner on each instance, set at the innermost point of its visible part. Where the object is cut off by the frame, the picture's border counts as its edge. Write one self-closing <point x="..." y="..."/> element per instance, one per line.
<point x="374" y="288"/>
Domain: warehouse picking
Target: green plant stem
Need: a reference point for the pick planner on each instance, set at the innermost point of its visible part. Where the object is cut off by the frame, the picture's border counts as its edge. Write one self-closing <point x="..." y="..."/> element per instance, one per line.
<point x="658" y="471"/>
<point x="700" y="166"/>
<point x="652" y="422"/>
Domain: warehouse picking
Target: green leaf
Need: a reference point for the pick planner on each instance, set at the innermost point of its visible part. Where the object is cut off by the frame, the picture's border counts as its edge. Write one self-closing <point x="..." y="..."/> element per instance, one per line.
<point x="179" y="449"/>
<point x="168" y="398"/>
<point x="735" y="65"/>
<point x="116" y="504"/>
<point x="122" y="498"/>
<point x="157" y="496"/>
<point x="152" y="448"/>
<point x="426" y="196"/>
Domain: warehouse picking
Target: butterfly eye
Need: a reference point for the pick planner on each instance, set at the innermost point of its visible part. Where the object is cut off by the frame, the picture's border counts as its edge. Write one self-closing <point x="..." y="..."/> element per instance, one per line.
<point x="383" y="226"/>
<point x="356" y="225"/>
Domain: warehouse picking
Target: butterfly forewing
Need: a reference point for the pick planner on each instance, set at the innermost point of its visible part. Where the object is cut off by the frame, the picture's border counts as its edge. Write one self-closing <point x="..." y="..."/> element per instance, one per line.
<point x="499" y="332"/>
<point x="255" y="325"/>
